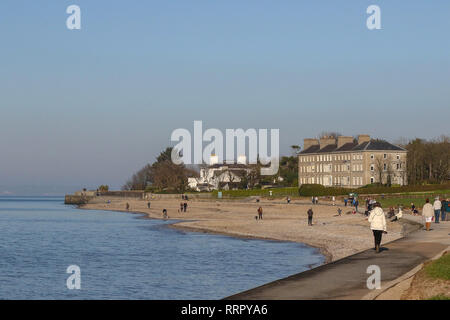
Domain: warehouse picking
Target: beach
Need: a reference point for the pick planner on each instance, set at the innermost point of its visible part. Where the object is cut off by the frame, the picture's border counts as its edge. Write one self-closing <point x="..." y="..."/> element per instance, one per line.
<point x="336" y="236"/>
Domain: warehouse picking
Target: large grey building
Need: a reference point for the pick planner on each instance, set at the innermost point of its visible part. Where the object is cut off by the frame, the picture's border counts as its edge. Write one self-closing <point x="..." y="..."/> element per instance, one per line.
<point x="348" y="162"/>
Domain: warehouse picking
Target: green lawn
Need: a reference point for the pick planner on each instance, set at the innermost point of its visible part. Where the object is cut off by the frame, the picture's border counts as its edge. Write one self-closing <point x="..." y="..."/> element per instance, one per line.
<point x="405" y="201"/>
<point x="440" y="268"/>
<point x="439" y="297"/>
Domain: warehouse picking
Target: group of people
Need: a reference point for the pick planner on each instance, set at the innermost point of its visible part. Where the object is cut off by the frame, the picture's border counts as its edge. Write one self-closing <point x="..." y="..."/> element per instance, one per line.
<point x="183" y="206"/>
<point x="354" y="202"/>
<point x="315" y="200"/>
<point x="436" y="211"/>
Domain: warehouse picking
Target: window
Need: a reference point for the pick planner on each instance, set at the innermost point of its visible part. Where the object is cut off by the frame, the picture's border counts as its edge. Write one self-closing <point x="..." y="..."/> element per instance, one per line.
<point x="384" y="167"/>
<point x="371" y="156"/>
<point x="398" y="157"/>
<point x="398" y="166"/>
<point x="385" y="156"/>
<point x="372" y="167"/>
<point x="372" y="180"/>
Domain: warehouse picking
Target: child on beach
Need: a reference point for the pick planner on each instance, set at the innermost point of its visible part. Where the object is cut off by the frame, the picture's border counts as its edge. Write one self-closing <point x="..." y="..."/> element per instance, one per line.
<point x="165" y="216"/>
<point x="339" y="211"/>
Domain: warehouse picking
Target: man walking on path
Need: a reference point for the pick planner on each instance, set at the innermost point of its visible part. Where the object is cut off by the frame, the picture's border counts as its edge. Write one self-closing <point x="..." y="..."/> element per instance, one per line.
<point x="377" y="224"/>
<point x="437" y="206"/>
<point x="310" y="216"/>
<point x="427" y="214"/>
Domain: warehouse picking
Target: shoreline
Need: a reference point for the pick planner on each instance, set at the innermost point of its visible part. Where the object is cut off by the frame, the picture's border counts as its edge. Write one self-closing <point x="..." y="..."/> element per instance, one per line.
<point x="334" y="236"/>
<point x="144" y="215"/>
<point x="322" y="250"/>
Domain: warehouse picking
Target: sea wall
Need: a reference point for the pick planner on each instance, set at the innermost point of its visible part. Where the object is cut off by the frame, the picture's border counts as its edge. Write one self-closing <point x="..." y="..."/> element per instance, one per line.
<point x="76" y="199"/>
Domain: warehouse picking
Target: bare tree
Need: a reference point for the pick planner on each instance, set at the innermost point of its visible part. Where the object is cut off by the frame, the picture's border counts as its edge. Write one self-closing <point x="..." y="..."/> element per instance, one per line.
<point x="379" y="168"/>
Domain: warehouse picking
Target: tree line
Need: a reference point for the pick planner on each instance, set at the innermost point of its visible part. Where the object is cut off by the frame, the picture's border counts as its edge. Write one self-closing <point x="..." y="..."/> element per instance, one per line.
<point x="162" y="175"/>
<point x="428" y="160"/>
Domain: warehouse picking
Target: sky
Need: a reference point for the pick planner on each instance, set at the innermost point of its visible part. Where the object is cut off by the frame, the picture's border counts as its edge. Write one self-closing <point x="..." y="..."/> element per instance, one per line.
<point x="80" y="108"/>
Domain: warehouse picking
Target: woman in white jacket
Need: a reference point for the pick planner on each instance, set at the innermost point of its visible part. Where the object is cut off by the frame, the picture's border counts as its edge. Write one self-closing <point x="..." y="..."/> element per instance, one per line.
<point x="377" y="222"/>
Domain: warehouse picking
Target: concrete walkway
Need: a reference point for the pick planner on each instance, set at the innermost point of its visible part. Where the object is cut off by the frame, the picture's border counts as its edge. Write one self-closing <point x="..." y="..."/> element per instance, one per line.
<point x="346" y="278"/>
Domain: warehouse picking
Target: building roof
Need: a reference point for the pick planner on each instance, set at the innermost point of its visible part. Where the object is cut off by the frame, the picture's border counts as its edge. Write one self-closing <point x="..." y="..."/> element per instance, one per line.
<point x="372" y="145"/>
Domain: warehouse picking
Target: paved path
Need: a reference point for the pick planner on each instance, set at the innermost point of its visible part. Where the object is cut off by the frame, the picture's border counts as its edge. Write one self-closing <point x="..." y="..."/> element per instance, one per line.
<point x="346" y="278"/>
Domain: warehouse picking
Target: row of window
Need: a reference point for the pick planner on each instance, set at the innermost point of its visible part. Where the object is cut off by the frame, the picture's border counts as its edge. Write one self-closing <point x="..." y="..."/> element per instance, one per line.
<point x="328" y="168"/>
<point x="384" y="156"/>
<point x="329" y="157"/>
<point x="328" y="181"/>
<point x="398" y="166"/>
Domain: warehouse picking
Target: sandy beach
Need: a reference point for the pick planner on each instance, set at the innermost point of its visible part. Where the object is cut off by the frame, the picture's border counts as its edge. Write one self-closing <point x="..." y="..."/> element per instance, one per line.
<point x="336" y="236"/>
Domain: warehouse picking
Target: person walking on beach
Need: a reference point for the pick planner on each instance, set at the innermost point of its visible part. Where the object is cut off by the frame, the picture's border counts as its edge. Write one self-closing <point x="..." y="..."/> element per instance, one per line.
<point x="317" y="200"/>
<point x="127" y="206"/>
<point x="310" y="216"/>
<point x="185" y="206"/>
<point x="334" y="200"/>
<point x="148" y="205"/>
<point x="356" y="205"/>
<point x="345" y="201"/>
<point x="377" y="225"/>
<point x="288" y="200"/>
<point x="165" y="216"/>
<point x="181" y="207"/>
<point x="427" y="214"/>
<point x="260" y="212"/>
<point x="313" y="200"/>
<point x="339" y="211"/>
<point x="437" y="206"/>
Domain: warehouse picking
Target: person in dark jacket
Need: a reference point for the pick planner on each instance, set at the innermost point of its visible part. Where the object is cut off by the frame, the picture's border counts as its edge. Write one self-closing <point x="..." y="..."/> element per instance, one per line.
<point x="444" y="209"/>
<point x="260" y="212"/>
<point x="310" y="216"/>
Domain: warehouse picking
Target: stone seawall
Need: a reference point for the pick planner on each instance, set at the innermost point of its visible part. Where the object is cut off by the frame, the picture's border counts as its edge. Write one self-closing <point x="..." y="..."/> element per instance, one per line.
<point x="83" y="198"/>
<point x="76" y="199"/>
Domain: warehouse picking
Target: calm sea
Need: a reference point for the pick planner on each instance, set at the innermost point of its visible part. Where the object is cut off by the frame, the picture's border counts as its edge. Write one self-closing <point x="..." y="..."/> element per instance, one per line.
<point x="123" y="256"/>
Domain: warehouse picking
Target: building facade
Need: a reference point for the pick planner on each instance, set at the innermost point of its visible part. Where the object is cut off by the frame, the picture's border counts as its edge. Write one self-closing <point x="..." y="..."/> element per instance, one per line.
<point x="218" y="176"/>
<point x="351" y="163"/>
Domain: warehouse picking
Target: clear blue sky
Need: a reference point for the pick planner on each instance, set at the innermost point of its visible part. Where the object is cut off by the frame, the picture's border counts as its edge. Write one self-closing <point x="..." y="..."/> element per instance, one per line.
<point x="88" y="107"/>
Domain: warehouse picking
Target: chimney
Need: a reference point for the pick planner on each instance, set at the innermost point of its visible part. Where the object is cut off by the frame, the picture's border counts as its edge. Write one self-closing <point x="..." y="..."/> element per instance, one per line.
<point x="363" y="138"/>
<point x="309" y="143"/>
<point x="326" y="141"/>
<point x="343" y="140"/>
